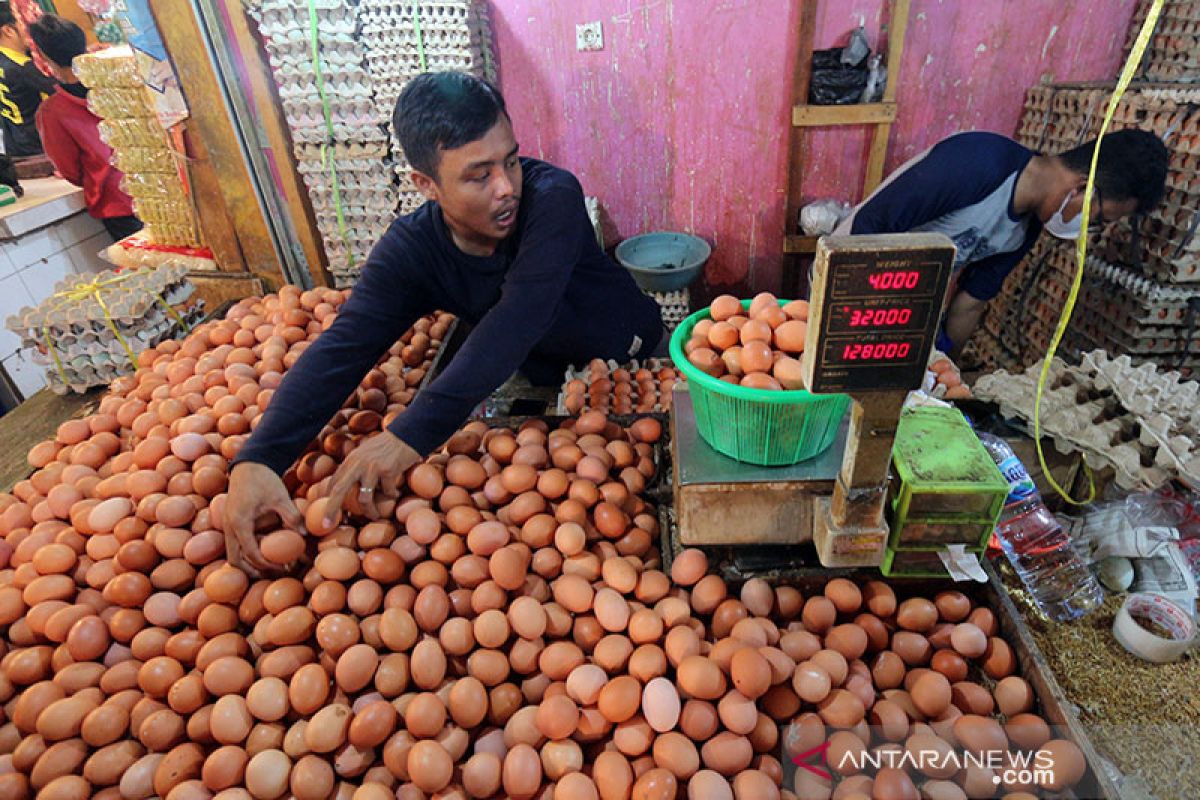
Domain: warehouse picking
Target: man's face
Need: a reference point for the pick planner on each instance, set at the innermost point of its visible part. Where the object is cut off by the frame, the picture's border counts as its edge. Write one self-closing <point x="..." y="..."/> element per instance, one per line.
<point x="10" y="37"/>
<point x="1104" y="210"/>
<point x="479" y="187"/>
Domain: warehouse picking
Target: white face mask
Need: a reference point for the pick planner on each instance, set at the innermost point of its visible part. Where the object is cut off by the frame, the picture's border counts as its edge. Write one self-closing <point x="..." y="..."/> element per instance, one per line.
<point x="1057" y="226"/>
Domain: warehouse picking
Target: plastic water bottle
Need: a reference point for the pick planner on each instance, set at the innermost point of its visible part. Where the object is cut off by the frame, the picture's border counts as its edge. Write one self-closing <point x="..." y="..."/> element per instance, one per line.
<point x="1036" y="545"/>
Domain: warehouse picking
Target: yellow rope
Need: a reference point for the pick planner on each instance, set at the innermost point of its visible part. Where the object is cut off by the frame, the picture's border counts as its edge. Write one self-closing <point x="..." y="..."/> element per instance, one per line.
<point x="1127" y="72"/>
<point x="95" y="288"/>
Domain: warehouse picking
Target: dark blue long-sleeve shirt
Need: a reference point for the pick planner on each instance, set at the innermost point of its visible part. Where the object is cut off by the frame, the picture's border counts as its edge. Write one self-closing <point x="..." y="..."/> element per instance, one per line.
<point x="547" y="297"/>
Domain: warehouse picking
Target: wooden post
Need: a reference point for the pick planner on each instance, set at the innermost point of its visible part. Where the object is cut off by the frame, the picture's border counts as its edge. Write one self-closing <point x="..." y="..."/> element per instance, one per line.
<point x="210" y="121"/>
<point x="897" y="25"/>
<point x="801" y="77"/>
<point x="861" y="487"/>
<point x="262" y="94"/>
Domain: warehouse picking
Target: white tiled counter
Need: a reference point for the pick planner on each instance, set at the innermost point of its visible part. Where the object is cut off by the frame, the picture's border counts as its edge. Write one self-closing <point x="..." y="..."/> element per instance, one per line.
<point x="45" y="236"/>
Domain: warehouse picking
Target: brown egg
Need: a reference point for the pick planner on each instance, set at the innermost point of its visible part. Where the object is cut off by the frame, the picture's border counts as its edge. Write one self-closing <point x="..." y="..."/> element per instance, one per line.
<point x="968" y="640"/>
<point x="521" y="772"/>
<point x="887" y="670"/>
<point x="481" y="775"/>
<point x="846" y="753"/>
<point x="700" y="678"/>
<point x="727" y="753"/>
<point x="844" y="594"/>
<point x="811" y="682"/>
<point x="952" y="606"/>
<point x="819" y="615"/>
<point x="894" y="784"/>
<point x="841" y="709"/>
<point x="1027" y="731"/>
<point x="931" y="693"/>
<point x="998" y="660"/>
<point x="913" y="648"/>
<point x="620" y="699"/>
<point x="917" y="614"/>
<point x="971" y="698"/>
<point x="880" y="598"/>
<point x="976" y="733"/>
<point x="751" y="672"/>
<point x="282" y="546"/>
<point x="1013" y="696"/>
<point x="849" y="640"/>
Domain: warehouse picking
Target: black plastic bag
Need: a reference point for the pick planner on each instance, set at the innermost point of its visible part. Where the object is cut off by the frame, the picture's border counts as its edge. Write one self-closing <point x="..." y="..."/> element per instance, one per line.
<point x="840" y="74"/>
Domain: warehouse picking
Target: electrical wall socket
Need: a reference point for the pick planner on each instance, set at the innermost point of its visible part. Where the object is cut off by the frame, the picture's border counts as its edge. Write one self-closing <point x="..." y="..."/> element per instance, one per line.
<point x="589" y="36"/>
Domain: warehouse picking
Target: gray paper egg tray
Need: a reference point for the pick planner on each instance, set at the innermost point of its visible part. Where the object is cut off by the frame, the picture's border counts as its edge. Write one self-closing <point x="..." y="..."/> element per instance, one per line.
<point x="1141" y="421"/>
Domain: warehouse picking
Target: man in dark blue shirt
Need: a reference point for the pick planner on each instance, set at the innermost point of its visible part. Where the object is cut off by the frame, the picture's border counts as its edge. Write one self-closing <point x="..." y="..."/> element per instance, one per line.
<point x="993" y="197"/>
<point x="506" y="244"/>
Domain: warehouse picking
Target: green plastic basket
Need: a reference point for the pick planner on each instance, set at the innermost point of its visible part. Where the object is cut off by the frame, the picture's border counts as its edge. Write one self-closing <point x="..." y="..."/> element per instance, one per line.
<point x="757" y="426"/>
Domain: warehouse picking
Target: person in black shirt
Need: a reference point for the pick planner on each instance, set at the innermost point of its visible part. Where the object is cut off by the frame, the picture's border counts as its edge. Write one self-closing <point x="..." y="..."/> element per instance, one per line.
<point x="506" y="244"/>
<point x="22" y="89"/>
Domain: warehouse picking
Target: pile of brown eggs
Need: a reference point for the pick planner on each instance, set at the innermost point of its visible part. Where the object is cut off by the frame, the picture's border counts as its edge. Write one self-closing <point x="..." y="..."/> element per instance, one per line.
<point x="757" y="347"/>
<point x="621" y="391"/>
<point x="504" y="628"/>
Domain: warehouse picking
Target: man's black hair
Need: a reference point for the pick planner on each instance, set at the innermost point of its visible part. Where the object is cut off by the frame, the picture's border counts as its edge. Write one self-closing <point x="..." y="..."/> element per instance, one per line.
<point x="60" y="40"/>
<point x="6" y="14"/>
<point x="1132" y="166"/>
<point x="441" y="111"/>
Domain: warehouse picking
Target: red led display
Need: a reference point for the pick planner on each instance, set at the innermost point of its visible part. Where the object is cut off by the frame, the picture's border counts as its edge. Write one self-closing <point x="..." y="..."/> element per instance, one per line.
<point x="900" y="280"/>
<point x="879" y="311"/>
<point x="877" y="351"/>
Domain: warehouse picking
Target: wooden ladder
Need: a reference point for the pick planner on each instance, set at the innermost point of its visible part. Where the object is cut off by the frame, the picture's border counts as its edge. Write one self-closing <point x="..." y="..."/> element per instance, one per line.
<point x="879" y="115"/>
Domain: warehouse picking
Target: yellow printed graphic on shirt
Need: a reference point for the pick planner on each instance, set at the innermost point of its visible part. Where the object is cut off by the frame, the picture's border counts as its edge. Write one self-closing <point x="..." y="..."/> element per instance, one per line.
<point x="9" y="109"/>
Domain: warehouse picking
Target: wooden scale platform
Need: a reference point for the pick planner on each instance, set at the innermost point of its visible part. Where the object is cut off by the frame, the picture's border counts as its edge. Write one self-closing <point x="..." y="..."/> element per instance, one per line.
<point x="875" y="309"/>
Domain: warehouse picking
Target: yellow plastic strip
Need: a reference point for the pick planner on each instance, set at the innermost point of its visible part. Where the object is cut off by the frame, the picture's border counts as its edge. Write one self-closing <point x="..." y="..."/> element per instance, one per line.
<point x="95" y="288"/>
<point x="1127" y="73"/>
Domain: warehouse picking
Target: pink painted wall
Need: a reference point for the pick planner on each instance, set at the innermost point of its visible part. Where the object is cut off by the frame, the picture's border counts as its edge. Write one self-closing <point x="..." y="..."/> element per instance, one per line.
<point x="681" y="121"/>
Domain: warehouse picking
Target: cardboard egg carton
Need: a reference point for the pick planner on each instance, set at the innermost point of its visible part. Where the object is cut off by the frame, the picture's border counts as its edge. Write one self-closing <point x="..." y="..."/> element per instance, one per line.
<point x="661" y="402"/>
<point x="84" y="333"/>
<point x="1173" y="51"/>
<point x="367" y="53"/>
<point x="1140" y="421"/>
<point x="1061" y="116"/>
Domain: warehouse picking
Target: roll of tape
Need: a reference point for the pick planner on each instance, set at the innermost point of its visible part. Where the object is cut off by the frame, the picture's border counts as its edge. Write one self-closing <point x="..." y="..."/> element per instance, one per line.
<point x="1163" y="612"/>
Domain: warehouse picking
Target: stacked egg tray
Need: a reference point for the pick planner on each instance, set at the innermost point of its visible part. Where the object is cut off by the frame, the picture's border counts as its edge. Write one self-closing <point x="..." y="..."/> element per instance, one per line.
<point x="367" y="52"/>
<point x="74" y="333"/>
<point x="1142" y="422"/>
<point x="1136" y="287"/>
<point x="946" y="491"/>
<point x="1020" y="321"/>
<point x="1060" y="117"/>
<point x="673" y="307"/>
<point x="402" y="40"/>
<point x="339" y="159"/>
<point x="141" y="150"/>
<point x="593" y="387"/>
<point x="1174" y="51"/>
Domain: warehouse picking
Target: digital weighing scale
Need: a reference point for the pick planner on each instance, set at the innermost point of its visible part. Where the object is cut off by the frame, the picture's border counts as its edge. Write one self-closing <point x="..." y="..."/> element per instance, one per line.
<point x="875" y="308"/>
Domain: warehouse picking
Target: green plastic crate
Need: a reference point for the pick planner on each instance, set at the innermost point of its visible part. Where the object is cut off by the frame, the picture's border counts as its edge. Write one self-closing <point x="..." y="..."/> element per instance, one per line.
<point x="920" y="534"/>
<point x="941" y="470"/>
<point x="923" y="563"/>
<point x="757" y="426"/>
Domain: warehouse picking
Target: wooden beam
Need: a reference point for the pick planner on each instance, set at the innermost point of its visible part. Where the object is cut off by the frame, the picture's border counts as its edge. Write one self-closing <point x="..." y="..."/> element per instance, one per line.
<point x="897" y="28"/>
<point x="807" y="116"/>
<point x="801" y="78"/>
<point x="262" y="93"/>
<point x="210" y="120"/>
<point x="795" y="244"/>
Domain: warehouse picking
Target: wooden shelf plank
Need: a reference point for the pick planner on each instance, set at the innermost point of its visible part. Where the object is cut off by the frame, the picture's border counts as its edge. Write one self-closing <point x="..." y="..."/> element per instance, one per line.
<point x="800" y="244"/>
<point x="807" y="116"/>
